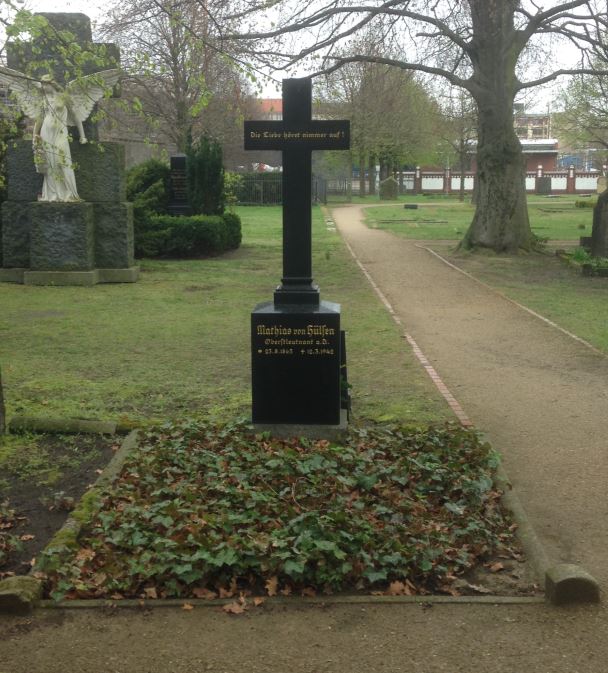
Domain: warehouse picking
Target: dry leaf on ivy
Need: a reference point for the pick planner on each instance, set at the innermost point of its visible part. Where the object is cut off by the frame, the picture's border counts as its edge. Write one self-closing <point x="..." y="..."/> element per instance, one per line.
<point x="272" y="585"/>
<point x="234" y="608"/>
<point x="201" y="592"/>
<point x="187" y="607"/>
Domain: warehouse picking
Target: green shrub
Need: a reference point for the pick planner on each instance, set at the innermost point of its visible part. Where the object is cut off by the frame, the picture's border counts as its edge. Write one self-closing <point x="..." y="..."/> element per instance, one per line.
<point x="148" y="188"/>
<point x="232" y="184"/>
<point x="142" y="177"/>
<point x="193" y="236"/>
<point x="205" y="177"/>
<point x="585" y="203"/>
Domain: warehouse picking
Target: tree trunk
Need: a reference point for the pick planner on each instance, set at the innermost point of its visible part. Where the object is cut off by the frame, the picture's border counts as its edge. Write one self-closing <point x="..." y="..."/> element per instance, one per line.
<point x="501" y="217"/>
<point x="2" y="409"/>
<point x="462" y="152"/>
<point x="349" y="178"/>
<point x="362" y="174"/>
<point x="372" y="174"/>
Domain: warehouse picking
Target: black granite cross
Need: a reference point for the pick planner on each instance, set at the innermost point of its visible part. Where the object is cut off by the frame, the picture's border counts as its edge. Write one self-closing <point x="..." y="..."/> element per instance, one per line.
<point x="296" y="136"/>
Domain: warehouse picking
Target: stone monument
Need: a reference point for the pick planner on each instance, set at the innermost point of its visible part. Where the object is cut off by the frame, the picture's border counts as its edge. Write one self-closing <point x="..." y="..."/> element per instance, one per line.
<point x="297" y="345"/>
<point x="66" y="220"/>
<point x="599" y="235"/>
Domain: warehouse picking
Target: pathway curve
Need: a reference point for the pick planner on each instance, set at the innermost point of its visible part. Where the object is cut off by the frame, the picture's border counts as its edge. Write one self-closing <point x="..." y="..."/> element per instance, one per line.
<point x="541" y="397"/>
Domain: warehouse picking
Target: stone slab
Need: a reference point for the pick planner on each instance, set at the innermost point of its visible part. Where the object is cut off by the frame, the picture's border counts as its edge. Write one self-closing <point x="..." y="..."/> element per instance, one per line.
<point x="568" y="583"/>
<point x="99" y="169"/>
<point x="114" y="238"/>
<point x="84" y="278"/>
<point x="130" y="275"/>
<point x="61" y="425"/>
<point x="19" y="595"/>
<point x="61" y="236"/>
<point x="15" y="235"/>
<point x="285" y="431"/>
<point x="12" y="275"/>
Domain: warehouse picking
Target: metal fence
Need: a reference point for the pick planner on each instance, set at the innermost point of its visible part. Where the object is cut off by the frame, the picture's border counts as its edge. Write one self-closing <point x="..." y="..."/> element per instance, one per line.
<point x="266" y="189"/>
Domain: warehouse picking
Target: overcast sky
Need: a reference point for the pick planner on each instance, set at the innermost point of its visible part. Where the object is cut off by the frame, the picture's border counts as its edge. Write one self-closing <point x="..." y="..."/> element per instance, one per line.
<point x="92" y="8"/>
<point x="536" y="100"/>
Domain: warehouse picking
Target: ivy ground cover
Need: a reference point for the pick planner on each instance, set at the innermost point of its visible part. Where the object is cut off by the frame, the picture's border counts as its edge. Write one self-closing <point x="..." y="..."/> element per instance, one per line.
<point x="202" y="511"/>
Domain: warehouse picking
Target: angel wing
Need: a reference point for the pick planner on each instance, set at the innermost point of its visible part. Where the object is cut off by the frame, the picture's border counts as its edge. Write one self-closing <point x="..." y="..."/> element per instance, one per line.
<point x="27" y="91"/>
<point x="86" y="91"/>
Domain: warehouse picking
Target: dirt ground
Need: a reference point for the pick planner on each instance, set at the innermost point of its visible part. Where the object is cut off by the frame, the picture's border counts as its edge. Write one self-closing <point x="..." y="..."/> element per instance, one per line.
<point x="41" y="502"/>
<point x="540" y="396"/>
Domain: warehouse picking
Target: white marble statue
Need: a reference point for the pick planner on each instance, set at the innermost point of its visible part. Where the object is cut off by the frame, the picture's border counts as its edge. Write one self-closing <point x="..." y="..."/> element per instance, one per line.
<point x="54" y="108"/>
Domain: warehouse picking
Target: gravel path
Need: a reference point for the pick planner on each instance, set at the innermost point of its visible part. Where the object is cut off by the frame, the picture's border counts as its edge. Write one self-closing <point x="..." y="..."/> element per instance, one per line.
<point x="540" y="396"/>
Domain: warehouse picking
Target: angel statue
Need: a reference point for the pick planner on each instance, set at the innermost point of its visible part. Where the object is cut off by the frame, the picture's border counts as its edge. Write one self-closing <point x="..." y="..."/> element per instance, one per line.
<point x="54" y="108"/>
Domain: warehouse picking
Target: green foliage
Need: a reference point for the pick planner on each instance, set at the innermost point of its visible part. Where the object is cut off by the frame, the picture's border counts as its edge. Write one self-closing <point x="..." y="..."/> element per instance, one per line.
<point x="148" y="189"/>
<point x="232" y="185"/>
<point x="193" y="236"/>
<point x="143" y="176"/>
<point x="202" y="507"/>
<point x="585" y="203"/>
<point x="591" y="265"/>
<point x="205" y="177"/>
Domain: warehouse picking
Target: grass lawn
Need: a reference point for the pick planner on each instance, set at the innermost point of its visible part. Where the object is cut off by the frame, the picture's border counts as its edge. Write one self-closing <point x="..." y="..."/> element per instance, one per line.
<point x="177" y="342"/>
<point x="555" y="218"/>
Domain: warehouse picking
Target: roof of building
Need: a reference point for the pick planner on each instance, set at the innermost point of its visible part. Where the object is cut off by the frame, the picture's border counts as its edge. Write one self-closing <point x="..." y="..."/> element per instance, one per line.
<point x="271" y="105"/>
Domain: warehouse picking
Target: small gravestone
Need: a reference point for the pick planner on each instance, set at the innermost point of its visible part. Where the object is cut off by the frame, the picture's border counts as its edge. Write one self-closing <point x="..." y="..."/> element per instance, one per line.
<point x="543" y="185"/>
<point x="178" y="203"/>
<point x="599" y="233"/>
<point x="297" y="351"/>
<point x="81" y="240"/>
<point x="389" y="189"/>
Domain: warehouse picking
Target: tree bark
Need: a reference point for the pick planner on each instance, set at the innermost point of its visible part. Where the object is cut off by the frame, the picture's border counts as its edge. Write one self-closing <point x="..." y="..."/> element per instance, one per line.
<point x="2" y="408"/>
<point x="362" y="174"/>
<point x="501" y="217"/>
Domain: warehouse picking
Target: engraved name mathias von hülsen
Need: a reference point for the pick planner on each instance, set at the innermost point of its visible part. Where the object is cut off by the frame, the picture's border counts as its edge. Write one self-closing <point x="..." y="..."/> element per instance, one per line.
<point x="307" y="341"/>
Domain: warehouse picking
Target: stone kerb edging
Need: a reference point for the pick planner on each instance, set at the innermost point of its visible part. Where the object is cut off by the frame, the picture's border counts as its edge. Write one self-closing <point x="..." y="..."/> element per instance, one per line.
<point x="564" y="583"/>
<point x="21" y="594"/>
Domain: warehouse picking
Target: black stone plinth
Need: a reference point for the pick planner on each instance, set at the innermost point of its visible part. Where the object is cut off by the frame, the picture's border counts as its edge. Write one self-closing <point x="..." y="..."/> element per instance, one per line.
<point x="295" y="353"/>
<point x="99" y="170"/>
<point x="62" y="236"/>
<point x="114" y="238"/>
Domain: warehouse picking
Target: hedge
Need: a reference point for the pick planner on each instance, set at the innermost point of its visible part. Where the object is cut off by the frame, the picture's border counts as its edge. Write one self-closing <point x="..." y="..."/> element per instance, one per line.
<point x="193" y="236"/>
<point x="588" y="203"/>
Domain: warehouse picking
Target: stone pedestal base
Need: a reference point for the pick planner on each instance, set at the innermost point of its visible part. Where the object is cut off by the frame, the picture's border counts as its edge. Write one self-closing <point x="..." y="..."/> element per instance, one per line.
<point x="77" y="243"/>
<point x="296" y="364"/>
<point x="61" y="236"/>
<point x="83" y="278"/>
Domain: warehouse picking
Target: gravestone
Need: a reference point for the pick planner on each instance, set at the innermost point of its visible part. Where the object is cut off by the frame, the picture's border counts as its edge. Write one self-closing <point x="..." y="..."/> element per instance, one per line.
<point x="67" y="243"/>
<point x="599" y="233"/>
<point x="389" y="189"/>
<point x="297" y="350"/>
<point x="178" y="182"/>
